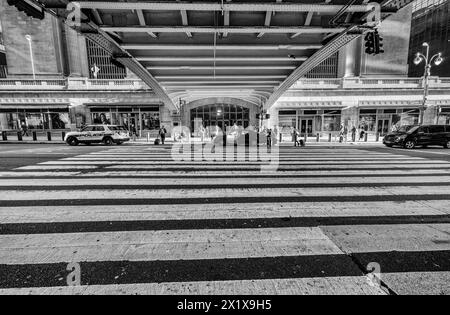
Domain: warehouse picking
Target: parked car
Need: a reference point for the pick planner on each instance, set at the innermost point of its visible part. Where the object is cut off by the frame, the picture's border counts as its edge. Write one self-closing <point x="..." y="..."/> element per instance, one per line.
<point x="424" y="136"/>
<point x="107" y="134"/>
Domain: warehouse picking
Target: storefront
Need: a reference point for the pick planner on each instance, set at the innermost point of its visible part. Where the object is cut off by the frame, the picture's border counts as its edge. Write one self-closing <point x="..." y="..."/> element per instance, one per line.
<point x="34" y="119"/>
<point x="136" y="119"/>
<point x="309" y="122"/>
<point x="383" y="121"/>
<point x="444" y="116"/>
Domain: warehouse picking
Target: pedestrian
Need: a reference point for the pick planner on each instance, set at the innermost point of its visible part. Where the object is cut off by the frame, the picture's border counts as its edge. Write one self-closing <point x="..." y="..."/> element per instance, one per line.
<point x="354" y="134"/>
<point x="269" y="137"/>
<point x="162" y="134"/>
<point x="341" y="134"/>
<point x="24" y="129"/>
<point x="295" y="135"/>
<point x="362" y="134"/>
<point x="202" y="132"/>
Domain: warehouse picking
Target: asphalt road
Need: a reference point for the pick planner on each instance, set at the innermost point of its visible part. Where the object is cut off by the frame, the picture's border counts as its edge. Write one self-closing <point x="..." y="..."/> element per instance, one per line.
<point x="137" y="221"/>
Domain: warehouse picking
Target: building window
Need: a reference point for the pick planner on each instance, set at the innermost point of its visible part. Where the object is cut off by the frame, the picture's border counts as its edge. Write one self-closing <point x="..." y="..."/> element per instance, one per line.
<point x="222" y="115"/>
<point x="34" y="119"/>
<point x="328" y="69"/>
<point x="3" y="67"/>
<point x="136" y="120"/>
<point x="100" y="58"/>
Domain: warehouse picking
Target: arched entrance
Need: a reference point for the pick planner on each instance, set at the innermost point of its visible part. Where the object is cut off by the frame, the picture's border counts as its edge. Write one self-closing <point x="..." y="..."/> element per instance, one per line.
<point x="221" y="112"/>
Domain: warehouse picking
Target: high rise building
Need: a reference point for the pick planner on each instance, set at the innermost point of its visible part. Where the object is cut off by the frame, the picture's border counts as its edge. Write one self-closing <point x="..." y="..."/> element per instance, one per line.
<point x="431" y="24"/>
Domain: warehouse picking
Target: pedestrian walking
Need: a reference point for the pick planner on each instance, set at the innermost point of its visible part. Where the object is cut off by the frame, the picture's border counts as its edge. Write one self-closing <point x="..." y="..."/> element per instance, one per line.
<point x="354" y="130"/>
<point x="162" y="134"/>
<point x="295" y="135"/>
<point x="269" y="137"/>
<point x="24" y="129"/>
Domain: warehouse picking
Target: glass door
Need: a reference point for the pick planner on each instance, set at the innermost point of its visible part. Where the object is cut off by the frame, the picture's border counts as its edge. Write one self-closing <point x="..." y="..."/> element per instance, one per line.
<point x="306" y="126"/>
<point x="384" y="126"/>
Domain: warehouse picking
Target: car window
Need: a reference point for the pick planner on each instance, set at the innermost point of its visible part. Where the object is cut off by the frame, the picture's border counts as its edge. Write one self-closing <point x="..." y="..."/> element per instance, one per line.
<point x="99" y="128"/>
<point x="414" y="129"/>
<point x="437" y="129"/>
<point x="88" y="128"/>
<point x="117" y="128"/>
<point x="424" y="129"/>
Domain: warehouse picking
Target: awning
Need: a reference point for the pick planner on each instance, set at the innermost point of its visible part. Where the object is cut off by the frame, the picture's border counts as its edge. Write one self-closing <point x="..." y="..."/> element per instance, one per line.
<point x="21" y="107"/>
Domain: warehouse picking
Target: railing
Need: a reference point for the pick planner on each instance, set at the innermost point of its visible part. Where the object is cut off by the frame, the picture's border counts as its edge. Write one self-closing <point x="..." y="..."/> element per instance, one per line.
<point x="369" y="83"/>
<point x="72" y="84"/>
<point x="77" y="84"/>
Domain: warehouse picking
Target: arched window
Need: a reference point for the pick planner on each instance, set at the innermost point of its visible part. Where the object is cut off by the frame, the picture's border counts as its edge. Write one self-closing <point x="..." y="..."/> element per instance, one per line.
<point x="222" y="115"/>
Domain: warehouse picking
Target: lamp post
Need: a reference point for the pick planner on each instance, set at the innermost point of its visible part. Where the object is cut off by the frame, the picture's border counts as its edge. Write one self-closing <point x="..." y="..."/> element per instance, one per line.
<point x="436" y="60"/>
<point x="28" y="37"/>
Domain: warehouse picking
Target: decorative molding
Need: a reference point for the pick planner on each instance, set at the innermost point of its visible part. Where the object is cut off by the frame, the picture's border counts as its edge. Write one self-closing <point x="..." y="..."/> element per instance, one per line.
<point x="308" y="104"/>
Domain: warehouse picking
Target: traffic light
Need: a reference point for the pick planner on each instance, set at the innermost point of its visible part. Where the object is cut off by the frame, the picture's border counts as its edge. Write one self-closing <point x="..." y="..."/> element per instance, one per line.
<point x="29" y="8"/>
<point x="370" y="43"/>
<point x="378" y="43"/>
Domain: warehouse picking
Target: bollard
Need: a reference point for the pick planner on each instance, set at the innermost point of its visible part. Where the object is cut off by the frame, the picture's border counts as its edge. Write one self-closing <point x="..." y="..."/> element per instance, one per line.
<point x="34" y="136"/>
<point x="281" y="137"/>
<point x="19" y="135"/>
<point x="63" y="135"/>
<point x="318" y="137"/>
<point x="353" y="137"/>
<point x="49" y="136"/>
<point x="148" y="136"/>
<point x="377" y="137"/>
<point x="366" y="137"/>
<point x="329" y="137"/>
<point x="4" y="136"/>
<point x="306" y="137"/>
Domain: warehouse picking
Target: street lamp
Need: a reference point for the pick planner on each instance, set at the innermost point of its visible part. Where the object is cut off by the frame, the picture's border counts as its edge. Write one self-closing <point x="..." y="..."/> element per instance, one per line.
<point x="28" y="37"/>
<point x="436" y="60"/>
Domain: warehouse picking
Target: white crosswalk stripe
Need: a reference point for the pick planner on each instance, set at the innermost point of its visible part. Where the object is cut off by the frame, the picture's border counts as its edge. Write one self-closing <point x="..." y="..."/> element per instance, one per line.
<point x="225" y="227"/>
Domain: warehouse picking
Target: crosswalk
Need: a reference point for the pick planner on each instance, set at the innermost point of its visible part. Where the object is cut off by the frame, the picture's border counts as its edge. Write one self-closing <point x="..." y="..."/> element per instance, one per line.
<point x="136" y="221"/>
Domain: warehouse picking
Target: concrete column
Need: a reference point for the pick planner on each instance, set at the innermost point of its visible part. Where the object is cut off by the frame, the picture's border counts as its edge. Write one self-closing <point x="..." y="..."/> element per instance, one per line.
<point x="3" y="122"/>
<point x="76" y="53"/>
<point x="166" y="119"/>
<point x="79" y="115"/>
<point x="350" y="59"/>
<point x="274" y="119"/>
<point x="430" y="115"/>
<point x="350" y="114"/>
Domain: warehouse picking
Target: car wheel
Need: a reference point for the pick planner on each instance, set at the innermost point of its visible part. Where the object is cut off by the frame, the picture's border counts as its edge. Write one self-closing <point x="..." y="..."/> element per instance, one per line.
<point x="119" y="143"/>
<point x="108" y="141"/>
<point x="389" y="145"/>
<point x="410" y="145"/>
<point x="447" y="145"/>
<point x="73" y="141"/>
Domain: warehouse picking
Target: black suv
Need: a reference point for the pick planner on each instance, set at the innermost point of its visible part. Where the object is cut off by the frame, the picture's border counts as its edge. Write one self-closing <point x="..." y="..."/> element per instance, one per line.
<point x="420" y="136"/>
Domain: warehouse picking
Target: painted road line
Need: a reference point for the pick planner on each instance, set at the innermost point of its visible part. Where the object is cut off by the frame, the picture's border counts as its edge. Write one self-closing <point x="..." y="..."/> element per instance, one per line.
<point x="49" y="214"/>
<point x="423" y="283"/>
<point x="164" y="245"/>
<point x="249" y="182"/>
<point x="219" y="175"/>
<point x="239" y="163"/>
<point x="150" y="194"/>
<point x="355" y="239"/>
<point x="304" y="286"/>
